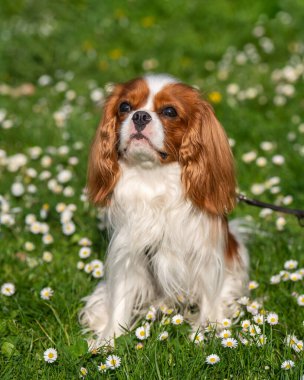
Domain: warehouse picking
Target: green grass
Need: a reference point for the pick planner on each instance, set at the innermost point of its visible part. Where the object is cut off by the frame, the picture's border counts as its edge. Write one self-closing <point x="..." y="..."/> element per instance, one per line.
<point x="88" y="44"/>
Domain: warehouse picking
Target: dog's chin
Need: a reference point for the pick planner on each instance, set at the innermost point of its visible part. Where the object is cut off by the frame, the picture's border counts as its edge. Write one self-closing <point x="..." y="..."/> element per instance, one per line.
<point x="141" y="152"/>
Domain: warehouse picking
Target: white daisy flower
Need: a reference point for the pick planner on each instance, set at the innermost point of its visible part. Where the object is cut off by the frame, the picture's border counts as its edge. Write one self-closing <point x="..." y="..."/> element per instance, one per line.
<point x="298" y="346"/>
<point x="64" y="176"/>
<point x="273" y="319"/>
<point x="8" y="289"/>
<point x="113" y="361"/>
<point x="261" y="340"/>
<point x="47" y="256"/>
<point x="102" y="367"/>
<point x="254" y="330"/>
<point x="226" y="322"/>
<point x="224" y="334"/>
<point x="287" y="364"/>
<point x="98" y="272"/>
<point x="47" y="239"/>
<point x="290" y="264"/>
<point x="50" y="355"/>
<point x="245" y="325"/>
<point x="280" y="223"/>
<point x="80" y="265"/>
<point x="275" y="279"/>
<point x="84" y="252"/>
<point x="278" y="159"/>
<point x="295" y="276"/>
<point x="229" y="342"/>
<point x="88" y="268"/>
<point x="249" y="157"/>
<point x="139" y="346"/>
<point x="46" y="293"/>
<point x="85" y="242"/>
<point x="300" y="300"/>
<point x="163" y="336"/>
<point x="290" y="340"/>
<point x="243" y="301"/>
<point x="178" y="319"/>
<point x="68" y="228"/>
<point x="253" y="308"/>
<point x="151" y="314"/>
<point x="17" y="189"/>
<point x="60" y="207"/>
<point x="243" y="340"/>
<point x="212" y="359"/>
<point x="142" y="332"/>
<point x="197" y="338"/>
<point x="259" y="319"/>
<point x="29" y="246"/>
<point x="253" y="285"/>
<point x="284" y="275"/>
<point x="83" y="372"/>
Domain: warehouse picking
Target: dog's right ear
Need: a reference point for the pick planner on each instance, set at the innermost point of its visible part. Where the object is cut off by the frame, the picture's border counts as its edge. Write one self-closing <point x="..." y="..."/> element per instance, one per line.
<point x="103" y="168"/>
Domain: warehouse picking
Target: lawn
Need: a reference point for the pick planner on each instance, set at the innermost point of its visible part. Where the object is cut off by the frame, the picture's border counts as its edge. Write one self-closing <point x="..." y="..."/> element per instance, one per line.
<point x="58" y="60"/>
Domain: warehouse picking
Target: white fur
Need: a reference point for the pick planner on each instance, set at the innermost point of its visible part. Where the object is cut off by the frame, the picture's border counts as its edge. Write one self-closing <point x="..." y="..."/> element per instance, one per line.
<point x="161" y="247"/>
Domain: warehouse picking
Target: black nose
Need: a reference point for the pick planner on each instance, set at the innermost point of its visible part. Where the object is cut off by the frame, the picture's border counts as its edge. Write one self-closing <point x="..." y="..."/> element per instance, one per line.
<point x="140" y="120"/>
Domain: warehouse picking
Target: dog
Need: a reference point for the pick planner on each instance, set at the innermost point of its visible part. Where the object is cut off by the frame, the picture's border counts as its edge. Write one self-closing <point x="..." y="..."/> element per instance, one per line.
<point x="161" y="164"/>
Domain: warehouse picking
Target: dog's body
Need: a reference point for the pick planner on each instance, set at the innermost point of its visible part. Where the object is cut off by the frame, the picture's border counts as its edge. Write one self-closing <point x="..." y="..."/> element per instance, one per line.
<point x="163" y="245"/>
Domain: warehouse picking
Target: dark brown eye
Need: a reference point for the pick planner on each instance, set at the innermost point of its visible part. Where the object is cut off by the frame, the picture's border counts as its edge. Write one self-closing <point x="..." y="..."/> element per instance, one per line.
<point x="125" y="107"/>
<point x="169" y="112"/>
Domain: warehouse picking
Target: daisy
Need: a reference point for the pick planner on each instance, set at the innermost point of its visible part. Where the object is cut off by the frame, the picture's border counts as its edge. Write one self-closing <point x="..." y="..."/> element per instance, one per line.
<point x="284" y="275"/>
<point x="300" y="300"/>
<point x="68" y="228"/>
<point x="261" y="340"/>
<point x="88" y="268"/>
<point x="35" y="228"/>
<point x="83" y="372"/>
<point x="46" y="293"/>
<point x="8" y="289"/>
<point x="253" y="308"/>
<point x="243" y="340"/>
<point x="229" y="342"/>
<point x="197" y="338"/>
<point x="80" y="265"/>
<point x="60" y="207"/>
<point x="226" y="322"/>
<point x="84" y="252"/>
<point x="254" y="330"/>
<point x="225" y="334"/>
<point x="275" y="279"/>
<point x="50" y="355"/>
<point x="212" y="359"/>
<point x="259" y="319"/>
<point x="252" y="285"/>
<point x="85" y="242"/>
<point x="29" y="246"/>
<point x="291" y="340"/>
<point x="47" y="239"/>
<point x="97" y="273"/>
<point x="102" y="367"/>
<point x="163" y="336"/>
<point x="287" y="364"/>
<point x="298" y="346"/>
<point x="290" y="264"/>
<point x="273" y="319"/>
<point x="47" y="256"/>
<point x="245" y="325"/>
<point x="178" y="319"/>
<point x="243" y="301"/>
<point x="142" y="332"/>
<point x="139" y="346"/>
<point x="113" y="361"/>
<point x="151" y="315"/>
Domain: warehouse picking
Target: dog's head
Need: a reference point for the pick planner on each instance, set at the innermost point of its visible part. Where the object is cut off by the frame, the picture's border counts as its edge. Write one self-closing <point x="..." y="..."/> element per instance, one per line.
<point x="156" y="120"/>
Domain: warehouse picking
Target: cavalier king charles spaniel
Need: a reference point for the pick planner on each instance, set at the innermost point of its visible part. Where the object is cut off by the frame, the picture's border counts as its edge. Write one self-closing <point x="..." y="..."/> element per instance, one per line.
<point x="161" y="164"/>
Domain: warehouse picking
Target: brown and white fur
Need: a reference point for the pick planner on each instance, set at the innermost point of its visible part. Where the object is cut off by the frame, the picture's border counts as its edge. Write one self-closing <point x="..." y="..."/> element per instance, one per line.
<point x="168" y="182"/>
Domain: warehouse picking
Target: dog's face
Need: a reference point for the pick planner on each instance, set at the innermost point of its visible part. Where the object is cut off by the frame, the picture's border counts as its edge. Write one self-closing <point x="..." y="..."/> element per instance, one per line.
<point x="156" y="120"/>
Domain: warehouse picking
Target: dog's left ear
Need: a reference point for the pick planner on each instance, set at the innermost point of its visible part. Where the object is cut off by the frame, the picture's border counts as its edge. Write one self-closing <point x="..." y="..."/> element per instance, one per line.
<point x="207" y="163"/>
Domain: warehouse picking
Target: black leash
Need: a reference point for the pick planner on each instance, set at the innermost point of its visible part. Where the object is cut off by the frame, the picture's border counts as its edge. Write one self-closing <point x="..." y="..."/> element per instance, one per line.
<point x="253" y="202"/>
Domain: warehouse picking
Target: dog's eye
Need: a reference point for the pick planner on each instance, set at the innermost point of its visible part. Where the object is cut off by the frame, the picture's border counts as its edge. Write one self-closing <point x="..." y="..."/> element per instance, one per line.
<point x="169" y="112"/>
<point x="125" y="107"/>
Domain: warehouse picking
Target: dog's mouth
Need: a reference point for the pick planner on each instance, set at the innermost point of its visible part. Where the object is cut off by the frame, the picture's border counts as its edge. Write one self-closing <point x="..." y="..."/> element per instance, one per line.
<point x="140" y="136"/>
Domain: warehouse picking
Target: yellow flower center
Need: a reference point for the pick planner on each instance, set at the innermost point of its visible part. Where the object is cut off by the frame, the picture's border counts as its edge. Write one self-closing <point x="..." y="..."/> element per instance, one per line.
<point x="142" y="333"/>
<point x="51" y="355"/>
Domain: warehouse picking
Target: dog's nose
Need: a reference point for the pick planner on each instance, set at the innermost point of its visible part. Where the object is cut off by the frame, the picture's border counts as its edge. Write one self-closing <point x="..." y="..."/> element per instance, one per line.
<point x="141" y="119"/>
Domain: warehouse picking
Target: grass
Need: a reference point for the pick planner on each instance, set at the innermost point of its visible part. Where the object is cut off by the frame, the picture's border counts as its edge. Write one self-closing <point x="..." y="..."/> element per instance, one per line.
<point x="87" y="45"/>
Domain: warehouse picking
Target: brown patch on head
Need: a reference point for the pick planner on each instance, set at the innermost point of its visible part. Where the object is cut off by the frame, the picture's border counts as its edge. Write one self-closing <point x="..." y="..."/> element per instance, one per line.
<point x="103" y="168"/>
<point x="197" y="141"/>
<point x="182" y="98"/>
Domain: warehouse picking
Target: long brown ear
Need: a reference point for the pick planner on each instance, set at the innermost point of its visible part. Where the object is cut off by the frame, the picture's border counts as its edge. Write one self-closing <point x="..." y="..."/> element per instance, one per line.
<point x="207" y="163"/>
<point x="103" y="168"/>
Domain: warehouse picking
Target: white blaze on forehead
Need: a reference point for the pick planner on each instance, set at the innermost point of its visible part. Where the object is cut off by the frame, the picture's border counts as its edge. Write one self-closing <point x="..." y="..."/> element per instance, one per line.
<point x="156" y="82"/>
